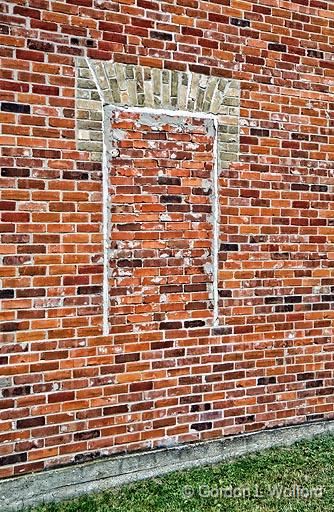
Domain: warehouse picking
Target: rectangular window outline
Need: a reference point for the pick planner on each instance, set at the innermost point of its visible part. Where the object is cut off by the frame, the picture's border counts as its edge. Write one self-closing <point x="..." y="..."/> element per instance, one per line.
<point x="107" y="110"/>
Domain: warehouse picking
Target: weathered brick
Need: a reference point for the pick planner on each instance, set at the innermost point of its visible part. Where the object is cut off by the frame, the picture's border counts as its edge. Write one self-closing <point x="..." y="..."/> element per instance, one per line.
<point x="163" y="351"/>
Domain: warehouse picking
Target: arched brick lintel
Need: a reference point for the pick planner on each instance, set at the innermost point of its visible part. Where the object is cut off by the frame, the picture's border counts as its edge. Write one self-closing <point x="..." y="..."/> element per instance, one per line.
<point x="102" y="83"/>
<point x="139" y="86"/>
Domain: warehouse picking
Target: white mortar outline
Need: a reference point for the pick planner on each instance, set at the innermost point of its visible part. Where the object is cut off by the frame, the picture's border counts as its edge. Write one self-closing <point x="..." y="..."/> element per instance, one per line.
<point x="106" y="200"/>
<point x="105" y="211"/>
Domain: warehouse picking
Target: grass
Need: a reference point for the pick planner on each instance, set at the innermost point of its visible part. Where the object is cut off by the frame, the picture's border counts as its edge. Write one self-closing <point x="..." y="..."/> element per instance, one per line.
<point x="263" y="479"/>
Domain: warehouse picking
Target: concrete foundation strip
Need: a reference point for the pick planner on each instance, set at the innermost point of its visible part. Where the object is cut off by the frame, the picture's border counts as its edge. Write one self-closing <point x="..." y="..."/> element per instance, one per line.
<point x="72" y="481"/>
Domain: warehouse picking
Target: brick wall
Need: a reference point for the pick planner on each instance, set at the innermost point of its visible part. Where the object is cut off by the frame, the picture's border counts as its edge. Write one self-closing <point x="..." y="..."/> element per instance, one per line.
<point x="161" y="234"/>
<point x="71" y="393"/>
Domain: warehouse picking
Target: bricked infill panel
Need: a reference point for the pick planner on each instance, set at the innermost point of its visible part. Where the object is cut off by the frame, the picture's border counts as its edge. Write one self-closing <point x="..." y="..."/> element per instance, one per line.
<point x="161" y="232"/>
<point x="70" y="393"/>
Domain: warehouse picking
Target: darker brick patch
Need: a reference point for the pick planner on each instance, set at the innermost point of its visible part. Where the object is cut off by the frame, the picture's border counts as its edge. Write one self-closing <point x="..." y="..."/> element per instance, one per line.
<point x="319" y="188"/>
<point x="75" y="175"/>
<point x="47" y="153"/>
<point x="45" y="89"/>
<point x="201" y="208"/>
<point x="30" y="292"/>
<point x="305" y="376"/>
<point x="319" y="307"/>
<point x="260" y="132"/>
<point x="14" y="172"/>
<point x="314" y="384"/>
<point x="127" y="358"/>
<point x="171" y="199"/>
<point x="190" y="399"/>
<point x="61" y="396"/>
<point x="194" y="323"/>
<point x="245" y="419"/>
<point x="192" y="31"/>
<point x="197" y="191"/>
<point x="16" y="391"/>
<point x="300" y="186"/>
<point x="6" y="293"/>
<point x="158" y="345"/>
<point x="84" y="436"/>
<point x="179" y="208"/>
<point x="229" y="247"/>
<point x="325" y="391"/>
<point x="315" y="53"/>
<point x="327" y="298"/>
<point x="225" y="293"/>
<point x="315" y="417"/>
<point x="280" y="255"/>
<point x="300" y="136"/>
<point x="273" y="300"/>
<point x="130" y="263"/>
<point x="42" y="46"/>
<point x="86" y="457"/>
<point x="222" y="367"/>
<point x="32" y="422"/>
<point x="300" y="204"/>
<point x="4" y="29"/>
<point x="130" y="226"/>
<point x="17" y="108"/>
<point x="206" y="425"/>
<point x="284" y="309"/>
<point x="13" y="326"/>
<point x="31" y="249"/>
<point x="7" y="205"/>
<point x="169" y="180"/>
<point x="200" y="407"/>
<point x="257" y="239"/>
<point x="163" y="36"/>
<point x="13" y="459"/>
<point x="238" y="22"/>
<point x="170" y="325"/>
<point x="276" y="47"/>
<point x="89" y="290"/>
<point x="293" y="299"/>
<point x="265" y="381"/>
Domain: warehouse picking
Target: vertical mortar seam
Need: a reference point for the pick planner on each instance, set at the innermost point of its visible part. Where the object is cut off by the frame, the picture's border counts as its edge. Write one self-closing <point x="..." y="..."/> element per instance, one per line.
<point x="105" y="210"/>
<point x="216" y="219"/>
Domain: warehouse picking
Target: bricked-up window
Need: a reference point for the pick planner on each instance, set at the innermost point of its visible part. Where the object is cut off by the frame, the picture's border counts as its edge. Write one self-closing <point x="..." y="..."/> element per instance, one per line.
<point x="161" y="223"/>
<point x="187" y="101"/>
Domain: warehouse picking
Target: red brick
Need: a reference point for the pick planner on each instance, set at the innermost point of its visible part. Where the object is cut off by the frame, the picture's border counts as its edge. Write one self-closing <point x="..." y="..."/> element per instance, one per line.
<point x="162" y="363"/>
